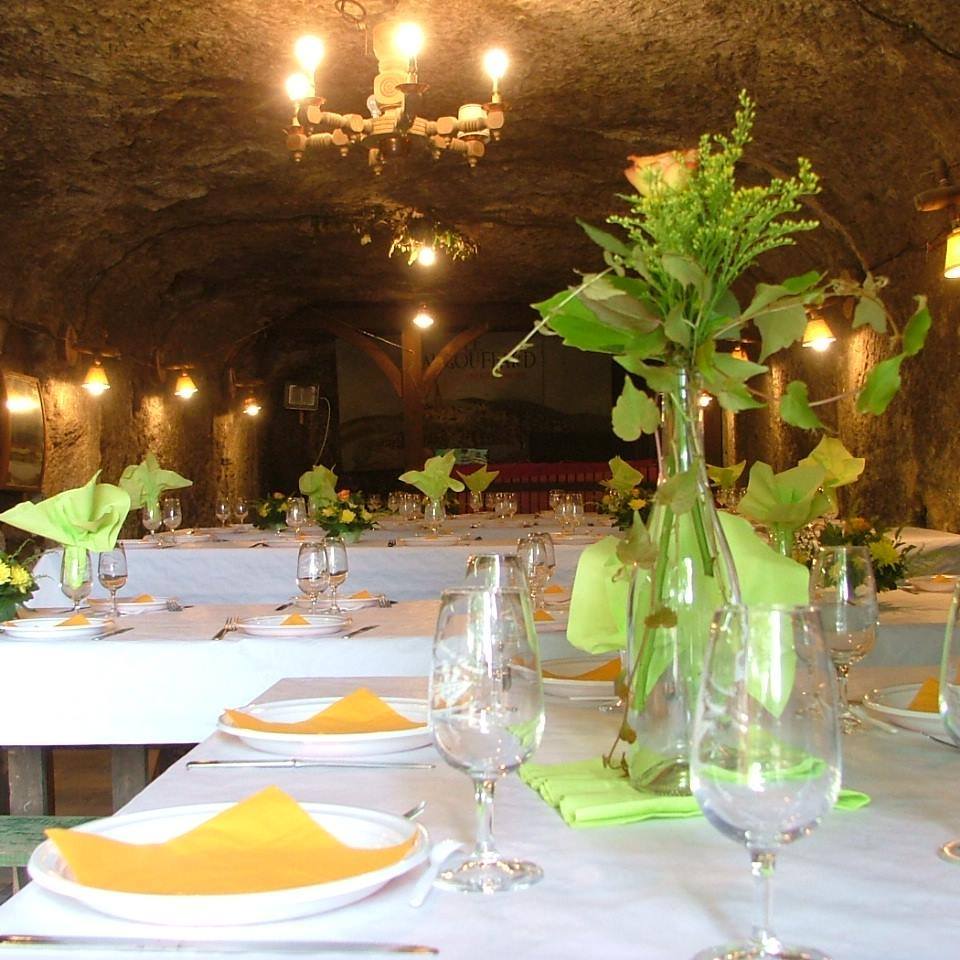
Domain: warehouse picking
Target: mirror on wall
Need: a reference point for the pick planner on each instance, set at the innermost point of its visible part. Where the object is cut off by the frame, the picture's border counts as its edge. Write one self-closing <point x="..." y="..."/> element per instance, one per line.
<point x="21" y="432"/>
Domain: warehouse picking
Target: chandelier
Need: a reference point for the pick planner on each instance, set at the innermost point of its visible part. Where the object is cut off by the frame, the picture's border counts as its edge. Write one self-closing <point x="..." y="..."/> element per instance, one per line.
<point x="395" y="125"/>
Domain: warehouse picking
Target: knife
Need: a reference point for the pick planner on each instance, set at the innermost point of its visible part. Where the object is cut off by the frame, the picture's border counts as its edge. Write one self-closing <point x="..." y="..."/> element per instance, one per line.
<point x="306" y="762"/>
<point x="145" y="945"/>
<point x="113" y="633"/>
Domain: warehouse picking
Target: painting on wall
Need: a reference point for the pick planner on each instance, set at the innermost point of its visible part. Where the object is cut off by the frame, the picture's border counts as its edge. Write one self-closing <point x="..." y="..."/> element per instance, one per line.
<point x="21" y="432"/>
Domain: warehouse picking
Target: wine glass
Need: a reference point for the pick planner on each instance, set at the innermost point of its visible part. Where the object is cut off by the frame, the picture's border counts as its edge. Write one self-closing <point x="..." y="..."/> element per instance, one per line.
<point x="949" y="697"/>
<point x="486" y="712"/>
<point x="240" y="509"/>
<point x="495" y="570"/>
<point x="509" y="505"/>
<point x="565" y="514"/>
<point x="337" y="568"/>
<point x="393" y="501"/>
<point x="532" y="554"/>
<point x="151" y="517"/>
<point x="434" y="516"/>
<point x="555" y="497"/>
<point x="296" y="514"/>
<point x="112" y="571"/>
<point x="172" y="515"/>
<point x="221" y="510"/>
<point x="374" y="502"/>
<point x="842" y="588"/>
<point x="312" y="572"/>
<point x="765" y="757"/>
<point x="76" y="574"/>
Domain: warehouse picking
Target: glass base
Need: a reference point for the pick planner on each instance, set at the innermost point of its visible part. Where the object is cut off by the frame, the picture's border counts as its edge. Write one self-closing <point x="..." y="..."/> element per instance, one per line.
<point x="670" y="778"/>
<point x="755" y="951"/>
<point x="950" y="852"/>
<point x="851" y="723"/>
<point x="490" y="876"/>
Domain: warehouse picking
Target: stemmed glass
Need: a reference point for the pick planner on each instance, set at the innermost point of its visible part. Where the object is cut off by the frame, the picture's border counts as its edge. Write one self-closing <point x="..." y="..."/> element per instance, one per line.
<point x="495" y="570"/>
<point x="843" y="590"/>
<point x="337" y="568"/>
<point x="296" y="514"/>
<point x="486" y="712"/>
<point x="240" y="509"/>
<point x="76" y="575"/>
<point x="374" y="502"/>
<point x="555" y="497"/>
<point x="312" y="572"/>
<point x="533" y="557"/>
<point x="112" y="571"/>
<point x="476" y="501"/>
<point x="434" y="516"/>
<point x="565" y="514"/>
<point x="393" y="501"/>
<point x="222" y="510"/>
<point x="151" y="517"/>
<point x="765" y="757"/>
<point x="172" y="516"/>
<point x="950" y="697"/>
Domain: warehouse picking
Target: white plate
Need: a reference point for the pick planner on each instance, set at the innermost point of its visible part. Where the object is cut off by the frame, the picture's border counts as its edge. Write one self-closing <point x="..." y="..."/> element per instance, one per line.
<point x="345" y="603"/>
<point x="239" y="527"/>
<point x="890" y="704"/>
<point x="320" y="625"/>
<point x="445" y="539"/>
<point x="557" y="598"/>
<point x="601" y="689"/>
<point x="126" y="605"/>
<point x="560" y="538"/>
<point x="938" y="583"/>
<point x="45" y="628"/>
<point x="352" y="825"/>
<point x="329" y="744"/>
<point x="144" y="544"/>
<point x="187" y="537"/>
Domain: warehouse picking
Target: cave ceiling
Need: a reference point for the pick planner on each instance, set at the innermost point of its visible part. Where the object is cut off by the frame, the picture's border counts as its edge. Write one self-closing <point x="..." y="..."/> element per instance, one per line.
<point x="147" y="194"/>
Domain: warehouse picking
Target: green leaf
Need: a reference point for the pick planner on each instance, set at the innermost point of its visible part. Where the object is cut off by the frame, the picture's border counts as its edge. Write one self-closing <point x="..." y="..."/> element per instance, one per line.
<point x="676" y="327"/>
<point x="637" y="548"/>
<point x="872" y="312"/>
<point x="679" y="493"/>
<point x="726" y="477"/>
<point x="917" y="328"/>
<point x="605" y="240"/>
<point x="735" y="396"/>
<point x="617" y="309"/>
<point x="634" y="413"/>
<point x="881" y="387"/>
<point x="661" y="378"/>
<point x="688" y="272"/>
<point x="766" y="293"/>
<point x="780" y="326"/>
<point x="795" y="407"/>
<point x="737" y="369"/>
<point x="791" y="498"/>
<point x="623" y="477"/>
<point x="579" y="326"/>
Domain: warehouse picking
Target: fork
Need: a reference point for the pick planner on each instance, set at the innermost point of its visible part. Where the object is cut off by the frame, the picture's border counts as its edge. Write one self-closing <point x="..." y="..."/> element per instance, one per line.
<point x="229" y="624"/>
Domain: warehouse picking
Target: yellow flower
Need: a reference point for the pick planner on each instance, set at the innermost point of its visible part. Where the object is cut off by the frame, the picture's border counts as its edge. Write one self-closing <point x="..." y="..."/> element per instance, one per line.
<point x="20" y="578"/>
<point x="263" y="509"/>
<point x="637" y="503"/>
<point x="4" y="573"/>
<point x="278" y="496"/>
<point x="366" y="514"/>
<point x="347" y="516"/>
<point x="884" y="553"/>
<point x="327" y="512"/>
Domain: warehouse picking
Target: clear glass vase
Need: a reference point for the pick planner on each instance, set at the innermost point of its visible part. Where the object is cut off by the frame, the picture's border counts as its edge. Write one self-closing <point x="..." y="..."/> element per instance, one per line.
<point x="673" y="606"/>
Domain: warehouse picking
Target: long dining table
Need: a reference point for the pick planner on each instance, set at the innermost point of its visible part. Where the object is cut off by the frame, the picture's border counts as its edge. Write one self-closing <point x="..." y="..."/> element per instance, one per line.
<point x="865" y="885"/>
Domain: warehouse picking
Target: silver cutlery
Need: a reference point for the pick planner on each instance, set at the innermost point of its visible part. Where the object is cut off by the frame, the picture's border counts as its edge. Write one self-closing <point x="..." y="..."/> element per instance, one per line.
<point x="946" y="743"/>
<point x="8" y="941"/>
<point x="113" y="633"/>
<point x="229" y="625"/>
<point x="175" y="606"/>
<point x="284" y="606"/>
<point x="353" y="633"/>
<point x="296" y="762"/>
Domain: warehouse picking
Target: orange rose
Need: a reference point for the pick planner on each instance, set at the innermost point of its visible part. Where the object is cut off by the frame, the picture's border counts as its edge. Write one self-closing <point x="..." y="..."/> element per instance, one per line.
<point x="343" y="495"/>
<point x="670" y="170"/>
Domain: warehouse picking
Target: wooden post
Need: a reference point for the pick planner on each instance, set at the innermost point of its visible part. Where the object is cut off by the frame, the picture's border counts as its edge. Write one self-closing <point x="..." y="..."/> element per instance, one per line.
<point x="411" y="379"/>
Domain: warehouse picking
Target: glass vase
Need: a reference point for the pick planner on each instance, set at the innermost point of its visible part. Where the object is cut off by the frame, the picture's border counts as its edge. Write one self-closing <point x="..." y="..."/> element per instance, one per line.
<point x="672" y="606"/>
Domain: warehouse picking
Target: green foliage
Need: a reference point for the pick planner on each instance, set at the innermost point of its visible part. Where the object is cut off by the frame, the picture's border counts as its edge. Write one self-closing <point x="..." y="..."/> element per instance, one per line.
<point x="795" y="407"/>
<point x="634" y="413"/>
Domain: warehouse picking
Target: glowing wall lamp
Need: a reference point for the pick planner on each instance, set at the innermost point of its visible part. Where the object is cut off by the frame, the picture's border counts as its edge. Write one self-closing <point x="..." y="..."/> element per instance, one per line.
<point x="185" y="387"/>
<point x="423" y="320"/>
<point x="96" y="382"/>
<point x="817" y="335"/>
<point x="251" y="406"/>
<point x="951" y="265"/>
<point x="945" y="196"/>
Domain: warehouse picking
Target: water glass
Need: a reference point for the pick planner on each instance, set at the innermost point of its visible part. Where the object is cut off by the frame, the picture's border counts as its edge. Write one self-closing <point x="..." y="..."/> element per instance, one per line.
<point x="76" y="575"/>
<point x="434" y="516"/>
<point x="476" y="501"/>
<point x="112" y="572"/>
<point x="509" y="505"/>
<point x="222" y="510"/>
<point x="533" y="556"/>
<point x="151" y="517"/>
<point x="949" y="697"/>
<point x="765" y="757"/>
<point x="172" y="515"/>
<point x="486" y="713"/>
<point x="495" y="570"/>
<point x="374" y="502"/>
<point x="337" y="568"/>
<point x="843" y="590"/>
<point x="296" y="514"/>
<point x="312" y="572"/>
<point x="240" y="509"/>
<point x="555" y="497"/>
<point x="393" y="501"/>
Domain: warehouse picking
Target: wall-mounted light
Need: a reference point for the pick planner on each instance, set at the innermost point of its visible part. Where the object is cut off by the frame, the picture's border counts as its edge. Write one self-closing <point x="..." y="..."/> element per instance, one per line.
<point x="96" y="382"/>
<point x="817" y="335"/>
<point x="951" y="264"/>
<point x="426" y="256"/>
<point x="423" y="320"/>
<point x="738" y="353"/>
<point x="185" y="387"/>
<point x="945" y="196"/>
<point x="251" y="406"/>
<point x="704" y="400"/>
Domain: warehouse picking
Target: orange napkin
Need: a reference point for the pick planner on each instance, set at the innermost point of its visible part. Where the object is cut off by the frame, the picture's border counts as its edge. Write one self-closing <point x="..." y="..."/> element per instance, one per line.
<point x="555" y="588"/>
<point x="927" y="699"/>
<point x="606" y="671"/>
<point x="361" y="595"/>
<point x="266" y="842"/>
<point x="143" y="598"/>
<point x="942" y="578"/>
<point x="295" y="620"/>
<point x="541" y="616"/>
<point x="77" y="620"/>
<point x="360" y="712"/>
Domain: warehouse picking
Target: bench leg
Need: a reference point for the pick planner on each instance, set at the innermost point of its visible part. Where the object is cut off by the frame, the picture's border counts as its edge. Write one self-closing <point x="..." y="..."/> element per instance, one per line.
<point x="129" y="773"/>
<point x="28" y="771"/>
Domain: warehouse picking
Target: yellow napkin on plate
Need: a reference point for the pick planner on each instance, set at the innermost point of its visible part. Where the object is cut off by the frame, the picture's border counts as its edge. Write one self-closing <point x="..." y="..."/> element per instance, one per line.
<point x="360" y="712"/>
<point x="266" y="842"/>
<point x="295" y="620"/>
<point x="606" y="671"/>
<point x="927" y="699"/>
<point x="541" y="616"/>
<point x="555" y="588"/>
<point x="361" y="595"/>
<point x="77" y="620"/>
<point x="942" y="578"/>
<point x="143" y="598"/>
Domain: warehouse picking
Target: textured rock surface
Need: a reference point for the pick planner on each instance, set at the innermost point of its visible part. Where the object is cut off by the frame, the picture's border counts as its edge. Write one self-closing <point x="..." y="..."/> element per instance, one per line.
<point x="147" y="196"/>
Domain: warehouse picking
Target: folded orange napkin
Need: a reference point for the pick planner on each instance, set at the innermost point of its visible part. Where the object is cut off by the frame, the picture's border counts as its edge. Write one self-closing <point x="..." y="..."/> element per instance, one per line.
<point x="295" y="620"/>
<point x="361" y="595"/>
<point x="606" y="671"/>
<point x="927" y="699"/>
<point x="555" y="588"/>
<point x="266" y="842"/>
<point x="360" y="712"/>
<point x="143" y="598"/>
<point x="942" y="578"/>
<point x="541" y="616"/>
<point x="77" y="620"/>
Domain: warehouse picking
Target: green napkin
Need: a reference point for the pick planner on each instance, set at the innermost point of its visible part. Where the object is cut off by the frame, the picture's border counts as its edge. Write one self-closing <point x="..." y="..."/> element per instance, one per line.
<point x="588" y="794"/>
<point x="841" y="466"/>
<point x="786" y="501"/>
<point x="434" y="479"/>
<point x="479" y="480"/>
<point x="144" y="482"/>
<point x="320" y="485"/>
<point x="726" y="477"/>
<point x="85" y="518"/>
<point x="624" y="477"/>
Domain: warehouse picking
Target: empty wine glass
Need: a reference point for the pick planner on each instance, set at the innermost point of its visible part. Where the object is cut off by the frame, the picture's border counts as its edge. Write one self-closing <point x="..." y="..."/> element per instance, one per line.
<point x="434" y="516"/>
<point x="151" y="517"/>
<point x="476" y="501"/>
<point x="393" y="501"/>
<point x="555" y="497"/>
<point x="765" y="757"/>
<point x="486" y="712"/>
<point x="533" y="557"/>
<point x="495" y="570"/>
<point x="337" y="568"/>
<point x="221" y="510"/>
<point x="949" y="697"/>
<point x="509" y="505"/>
<point x="240" y="509"/>
<point x="312" y="572"/>
<point x="296" y="514"/>
<point x="112" y="571"/>
<point x="565" y="512"/>
<point x="843" y="590"/>
<point x="76" y="574"/>
<point x="172" y="515"/>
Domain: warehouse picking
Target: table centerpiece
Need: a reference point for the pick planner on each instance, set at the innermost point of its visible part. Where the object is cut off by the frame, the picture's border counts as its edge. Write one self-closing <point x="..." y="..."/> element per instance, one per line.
<point x="347" y="517"/>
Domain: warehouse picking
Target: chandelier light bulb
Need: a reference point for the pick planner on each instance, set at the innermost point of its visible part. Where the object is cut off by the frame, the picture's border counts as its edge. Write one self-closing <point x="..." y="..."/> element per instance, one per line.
<point x="408" y="39"/>
<point x="423" y="320"/>
<point x="309" y="52"/>
<point x="426" y="256"/>
<point x="96" y="382"/>
<point x="251" y="407"/>
<point x="951" y="266"/>
<point x="495" y="63"/>
<point x="299" y="86"/>
<point x="185" y="387"/>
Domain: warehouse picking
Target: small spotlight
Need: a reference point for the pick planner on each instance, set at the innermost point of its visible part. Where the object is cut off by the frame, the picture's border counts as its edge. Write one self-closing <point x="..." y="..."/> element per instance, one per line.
<point x="423" y="320"/>
<point x="426" y="256"/>
<point x="96" y="382"/>
<point x="704" y="400"/>
<point x="817" y="335"/>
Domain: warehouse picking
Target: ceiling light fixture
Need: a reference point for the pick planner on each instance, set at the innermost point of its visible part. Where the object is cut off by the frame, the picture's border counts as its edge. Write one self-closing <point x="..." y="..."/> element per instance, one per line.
<point x="96" y="382"/>
<point x="423" y="320"/>
<point x="185" y="387"/>
<point x="945" y="196"/>
<point x="426" y="256"/>
<point x="395" y="123"/>
<point x="817" y="334"/>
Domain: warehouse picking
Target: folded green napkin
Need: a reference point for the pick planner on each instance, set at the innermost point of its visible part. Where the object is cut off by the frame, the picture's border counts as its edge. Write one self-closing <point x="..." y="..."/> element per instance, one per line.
<point x="588" y="794"/>
<point x="146" y="481"/>
<point x="319" y="485"/>
<point x="434" y="479"/>
<point x="85" y="518"/>
<point x="479" y="480"/>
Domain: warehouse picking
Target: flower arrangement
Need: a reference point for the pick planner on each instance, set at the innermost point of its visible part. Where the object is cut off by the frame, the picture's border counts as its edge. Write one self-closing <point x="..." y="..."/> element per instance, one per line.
<point x="348" y="517"/>
<point x="16" y="582"/>
<point x="621" y="505"/>
<point x="888" y="552"/>
<point x="271" y="512"/>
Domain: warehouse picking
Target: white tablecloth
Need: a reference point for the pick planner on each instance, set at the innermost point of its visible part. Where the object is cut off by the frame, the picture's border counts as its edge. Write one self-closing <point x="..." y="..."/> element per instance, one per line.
<point x="939" y="551"/>
<point x="866" y="885"/>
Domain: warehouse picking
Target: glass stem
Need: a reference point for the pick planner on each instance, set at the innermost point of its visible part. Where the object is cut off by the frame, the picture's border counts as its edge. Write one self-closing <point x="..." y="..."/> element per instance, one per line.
<point x="483" y="798"/>
<point x="762" y="864"/>
<point x="843" y="671"/>
<point x="113" y="597"/>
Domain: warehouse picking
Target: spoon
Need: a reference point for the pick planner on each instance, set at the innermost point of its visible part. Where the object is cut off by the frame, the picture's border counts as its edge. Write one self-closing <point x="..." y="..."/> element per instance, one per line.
<point x="439" y="855"/>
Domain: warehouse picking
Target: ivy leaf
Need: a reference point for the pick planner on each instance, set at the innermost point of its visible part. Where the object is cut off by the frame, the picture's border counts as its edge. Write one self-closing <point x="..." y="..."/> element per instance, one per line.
<point x="661" y="378"/>
<point x="735" y="396"/>
<point x="737" y="369"/>
<point x="634" y="413"/>
<point x="767" y="294"/>
<point x="676" y="327"/>
<point x="637" y="548"/>
<point x="617" y="309"/>
<point x="679" y="493"/>
<point x="688" y="272"/>
<point x="579" y="326"/>
<point x="795" y="407"/>
<point x="881" y="386"/>
<point x="872" y="312"/>
<point x="917" y="328"/>
<point x="780" y="326"/>
<point x="606" y="240"/>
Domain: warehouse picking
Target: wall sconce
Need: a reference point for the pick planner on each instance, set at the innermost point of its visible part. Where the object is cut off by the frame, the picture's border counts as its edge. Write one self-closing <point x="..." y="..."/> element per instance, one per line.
<point x="704" y="400"/>
<point x="96" y="382"/>
<point x="951" y="265"/>
<point x="251" y="406"/>
<point x="423" y="320"/>
<point x="738" y="353"/>
<point x="945" y="196"/>
<point x="817" y="335"/>
<point x="185" y="387"/>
